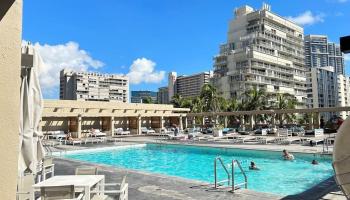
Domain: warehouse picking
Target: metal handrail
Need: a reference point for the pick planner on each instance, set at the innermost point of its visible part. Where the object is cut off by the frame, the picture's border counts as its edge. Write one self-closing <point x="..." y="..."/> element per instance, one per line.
<point x="233" y="175"/>
<point x="215" y="172"/>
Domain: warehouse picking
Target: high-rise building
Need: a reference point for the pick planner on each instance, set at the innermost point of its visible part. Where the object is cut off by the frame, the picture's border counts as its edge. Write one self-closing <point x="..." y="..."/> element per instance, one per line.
<point x="326" y="65"/>
<point x="263" y="50"/>
<point x="322" y="88"/>
<point x="171" y="85"/>
<point x="92" y="86"/>
<point x="319" y="52"/>
<point x="188" y="86"/>
<point x="140" y="96"/>
<point x="163" y="95"/>
<point x="343" y="93"/>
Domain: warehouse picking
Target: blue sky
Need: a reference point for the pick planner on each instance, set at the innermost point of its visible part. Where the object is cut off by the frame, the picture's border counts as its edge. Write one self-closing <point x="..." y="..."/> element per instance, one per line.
<point x="152" y="37"/>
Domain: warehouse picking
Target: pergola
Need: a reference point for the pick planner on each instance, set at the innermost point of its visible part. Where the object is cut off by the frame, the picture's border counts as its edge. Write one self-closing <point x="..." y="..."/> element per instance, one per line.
<point x="80" y="116"/>
<point x="315" y="114"/>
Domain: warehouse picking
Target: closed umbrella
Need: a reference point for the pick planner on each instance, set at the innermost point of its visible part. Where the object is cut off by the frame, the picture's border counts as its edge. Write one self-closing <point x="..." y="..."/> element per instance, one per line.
<point x="31" y="149"/>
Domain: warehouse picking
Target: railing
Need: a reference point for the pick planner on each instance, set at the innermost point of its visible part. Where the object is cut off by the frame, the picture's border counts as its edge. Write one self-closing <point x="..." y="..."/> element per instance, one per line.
<point x="327" y="142"/>
<point x="234" y="186"/>
<point x="216" y="182"/>
<point x="245" y="183"/>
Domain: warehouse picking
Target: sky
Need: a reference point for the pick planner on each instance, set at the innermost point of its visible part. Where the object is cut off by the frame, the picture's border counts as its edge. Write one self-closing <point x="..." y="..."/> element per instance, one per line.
<point x="147" y="39"/>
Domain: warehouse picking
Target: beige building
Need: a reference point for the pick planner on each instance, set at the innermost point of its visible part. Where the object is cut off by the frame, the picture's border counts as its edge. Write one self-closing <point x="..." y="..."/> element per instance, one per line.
<point x="343" y="83"/>
<point x="10" y="70"/>
<point x="188" y="85"/>
<point x="91" y="86"/>
<point x="263" y="50"/>
<point x="78" y="118"/>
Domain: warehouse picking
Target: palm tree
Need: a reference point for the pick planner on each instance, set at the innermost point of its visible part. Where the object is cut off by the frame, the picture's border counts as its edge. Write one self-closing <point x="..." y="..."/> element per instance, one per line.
<point x="285" y="101"/>
<point x="186" y="103"/>
<point x="197" y="105"/>
<point x="210" y="98"/>
<point x="177" y="100"/>
<point x="255" y="99"/>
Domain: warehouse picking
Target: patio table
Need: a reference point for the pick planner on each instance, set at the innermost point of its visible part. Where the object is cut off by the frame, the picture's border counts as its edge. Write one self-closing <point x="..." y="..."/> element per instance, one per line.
<point x="85" y="182"/>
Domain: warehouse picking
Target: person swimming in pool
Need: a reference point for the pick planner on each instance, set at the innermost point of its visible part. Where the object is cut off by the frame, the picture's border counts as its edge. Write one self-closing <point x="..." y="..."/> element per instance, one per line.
<point x="287" y="156"/>
<point x="314" y="162"/>
<point x="253" y="166"/>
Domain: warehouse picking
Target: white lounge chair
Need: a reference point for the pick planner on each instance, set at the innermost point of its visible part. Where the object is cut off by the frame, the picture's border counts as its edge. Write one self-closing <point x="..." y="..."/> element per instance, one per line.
<point x="119" y="189"/>
<point x="98" y="133"/>
<point x="177" y="137"/>
<point x="56" y="134"/>
<point x="120" y="131"/>
<point x="289" y="140"/>
<point x="145" y="130"/>
<point x="73" y="141"/>
<point x="244" y="139"/>
<point x="265" y="140"/>
<point x="283" y="132"/>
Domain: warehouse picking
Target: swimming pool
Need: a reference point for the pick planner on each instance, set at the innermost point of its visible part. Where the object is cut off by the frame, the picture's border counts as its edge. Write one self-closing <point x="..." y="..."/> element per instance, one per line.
<point x="276" y="175"/>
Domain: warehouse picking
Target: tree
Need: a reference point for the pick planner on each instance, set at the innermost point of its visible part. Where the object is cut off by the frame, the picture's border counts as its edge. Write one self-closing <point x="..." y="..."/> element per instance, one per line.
<point x="255" y="99"/>
<point x="210" y="98"/>
<point x="176" y="101"/>
<point x="285" y="101"/>
<point x="197" y="105"/>
<point x="147" y="100"/>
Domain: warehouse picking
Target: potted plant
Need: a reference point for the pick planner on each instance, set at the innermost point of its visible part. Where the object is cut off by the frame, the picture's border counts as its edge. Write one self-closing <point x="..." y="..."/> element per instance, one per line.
<point x="217" y="130"/>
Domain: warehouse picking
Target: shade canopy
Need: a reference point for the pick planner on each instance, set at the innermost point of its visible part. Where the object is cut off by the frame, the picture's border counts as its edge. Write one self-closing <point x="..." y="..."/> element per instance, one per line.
<point x="31" y="148"/>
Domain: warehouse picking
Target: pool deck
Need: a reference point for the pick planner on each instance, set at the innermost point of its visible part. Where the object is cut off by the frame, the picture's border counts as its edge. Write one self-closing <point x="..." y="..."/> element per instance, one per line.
<point x="155" y="186"/>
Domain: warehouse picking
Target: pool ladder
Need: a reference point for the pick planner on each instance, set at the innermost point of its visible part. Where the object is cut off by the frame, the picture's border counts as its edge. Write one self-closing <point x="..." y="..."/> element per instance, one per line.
<point x="229" y="180"/>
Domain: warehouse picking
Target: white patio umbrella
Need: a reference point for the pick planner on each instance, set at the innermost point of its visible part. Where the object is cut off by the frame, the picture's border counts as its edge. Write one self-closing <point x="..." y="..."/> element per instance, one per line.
<point x="31" y="149"/>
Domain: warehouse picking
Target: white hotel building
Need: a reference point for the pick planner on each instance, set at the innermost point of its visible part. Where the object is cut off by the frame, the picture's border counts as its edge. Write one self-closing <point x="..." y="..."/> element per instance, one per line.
<point x="91" y="86"/>
<point x="263" y="50"/>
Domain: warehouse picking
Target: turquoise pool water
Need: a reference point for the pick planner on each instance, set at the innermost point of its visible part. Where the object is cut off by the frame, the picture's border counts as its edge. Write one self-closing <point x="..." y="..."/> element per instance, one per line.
<point x="276" y="175"/>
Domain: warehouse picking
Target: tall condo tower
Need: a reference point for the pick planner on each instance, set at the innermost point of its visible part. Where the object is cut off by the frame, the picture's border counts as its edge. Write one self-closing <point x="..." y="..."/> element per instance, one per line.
<point x="263" y="50"/>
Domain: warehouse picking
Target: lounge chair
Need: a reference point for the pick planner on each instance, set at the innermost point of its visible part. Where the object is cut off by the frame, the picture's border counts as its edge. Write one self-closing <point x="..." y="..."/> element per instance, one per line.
<point x="56" y="134"/>
<point x="73" y="141"/>
<point x="244" y="139"/>
<point x="145" y="130"/>
<point x="24" y="187"/>
<point x="177" y="137"/>
<point x="315" y="138"/>
<point x="119" y="189"/>
<point x="265" y="140"/>
<point x="86" y="171"/>
<point x="97" y="133"/>
<point x="283" y="132"/>
<point x="120" y="131"/>
<point x="59" y="192"/>
<point x="289" y="140"/>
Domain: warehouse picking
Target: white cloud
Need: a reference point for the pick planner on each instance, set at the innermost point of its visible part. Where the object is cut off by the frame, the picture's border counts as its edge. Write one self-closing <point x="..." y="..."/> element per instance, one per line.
<point x="142" y="70"/>
<point x="307" y="18"/>
<point x="58" y="57"/>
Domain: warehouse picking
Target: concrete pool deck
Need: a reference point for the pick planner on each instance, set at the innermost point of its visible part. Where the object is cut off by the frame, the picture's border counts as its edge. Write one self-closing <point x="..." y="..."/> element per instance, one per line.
<point x="154" y="186"/>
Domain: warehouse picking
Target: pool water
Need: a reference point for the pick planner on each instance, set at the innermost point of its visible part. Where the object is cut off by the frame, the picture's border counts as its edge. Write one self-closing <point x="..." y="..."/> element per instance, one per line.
<point x="275" y="175"/>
